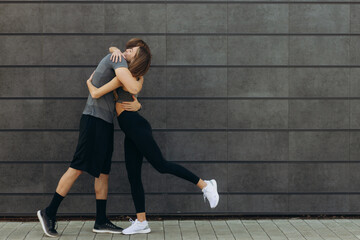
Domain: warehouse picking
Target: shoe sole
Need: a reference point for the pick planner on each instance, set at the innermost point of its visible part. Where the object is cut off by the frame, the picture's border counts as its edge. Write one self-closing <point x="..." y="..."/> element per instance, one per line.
<point x="141" y="231"/>
<point x="215" y="184"/>
<point x="105" y="231"/>
<point x="43" y="225"/>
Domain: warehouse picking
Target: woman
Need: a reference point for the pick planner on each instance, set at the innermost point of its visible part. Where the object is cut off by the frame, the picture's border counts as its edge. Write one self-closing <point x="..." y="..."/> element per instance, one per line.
<point x="139" y="141"/>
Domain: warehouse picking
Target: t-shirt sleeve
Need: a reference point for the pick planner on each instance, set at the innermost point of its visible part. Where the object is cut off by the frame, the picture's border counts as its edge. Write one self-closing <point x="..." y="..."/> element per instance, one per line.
<point x="118" y="64"/>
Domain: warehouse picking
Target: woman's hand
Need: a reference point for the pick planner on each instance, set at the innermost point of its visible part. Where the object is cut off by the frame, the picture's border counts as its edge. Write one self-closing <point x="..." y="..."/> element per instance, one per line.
<point x="116" y="55"/>
<point x="131" y="106"/>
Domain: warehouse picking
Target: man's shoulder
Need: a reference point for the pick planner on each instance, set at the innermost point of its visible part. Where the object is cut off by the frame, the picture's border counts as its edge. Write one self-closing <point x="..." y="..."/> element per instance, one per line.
<point x="107" y="57"/>
<point x="123" y="62"/>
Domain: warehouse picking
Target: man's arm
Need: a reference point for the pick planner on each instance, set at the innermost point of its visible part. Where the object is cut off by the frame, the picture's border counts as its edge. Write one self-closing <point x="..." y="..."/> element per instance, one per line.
<point x="132" y="106"/>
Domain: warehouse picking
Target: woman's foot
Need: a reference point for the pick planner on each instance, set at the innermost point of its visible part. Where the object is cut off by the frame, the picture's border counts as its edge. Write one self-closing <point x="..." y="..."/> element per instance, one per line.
<point x="137" y="227"/>
<point x="211" y="193"/>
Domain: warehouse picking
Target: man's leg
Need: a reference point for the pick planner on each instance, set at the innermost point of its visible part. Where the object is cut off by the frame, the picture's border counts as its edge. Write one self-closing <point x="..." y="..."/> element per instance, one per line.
<point x="102" y="224"/>
<point x="67" y="180"/>
<point x="101" y="190"/>
<point x="47" y="216"/>
<point x="64" y="186"/>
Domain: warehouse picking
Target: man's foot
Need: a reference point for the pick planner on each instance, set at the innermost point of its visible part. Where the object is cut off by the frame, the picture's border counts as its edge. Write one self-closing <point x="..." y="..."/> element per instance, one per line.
<point x="211" y="193"/>
<point x="107" y="227"/>
<point x="137" y="227"/>
<point x="47" y="223"/>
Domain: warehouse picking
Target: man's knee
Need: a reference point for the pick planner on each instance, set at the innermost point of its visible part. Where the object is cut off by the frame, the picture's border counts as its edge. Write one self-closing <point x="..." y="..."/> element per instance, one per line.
<point x="75" y="172"/>
<point x="101" y="182"/>
<point x="103" y="177"/>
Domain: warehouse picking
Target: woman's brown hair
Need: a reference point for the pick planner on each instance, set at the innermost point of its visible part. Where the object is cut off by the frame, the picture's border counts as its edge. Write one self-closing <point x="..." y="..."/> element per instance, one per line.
<point x="141" y="62"/>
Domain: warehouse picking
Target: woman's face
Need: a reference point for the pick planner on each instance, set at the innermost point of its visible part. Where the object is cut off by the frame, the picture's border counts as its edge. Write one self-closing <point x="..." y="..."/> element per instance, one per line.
<point x="130" y="53"/>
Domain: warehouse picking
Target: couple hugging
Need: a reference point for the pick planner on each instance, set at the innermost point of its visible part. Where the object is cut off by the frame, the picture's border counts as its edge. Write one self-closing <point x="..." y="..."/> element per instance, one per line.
<point x="118" y="76"/>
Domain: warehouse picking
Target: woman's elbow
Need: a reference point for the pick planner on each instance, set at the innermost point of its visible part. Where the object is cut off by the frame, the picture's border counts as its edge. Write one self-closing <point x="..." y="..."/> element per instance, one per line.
<point x="95" y="95"/>
<point x="134" y="90"/>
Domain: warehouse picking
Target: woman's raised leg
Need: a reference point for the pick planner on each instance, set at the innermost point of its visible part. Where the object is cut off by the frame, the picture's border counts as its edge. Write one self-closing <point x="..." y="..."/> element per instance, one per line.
<point x="146" y="144"/>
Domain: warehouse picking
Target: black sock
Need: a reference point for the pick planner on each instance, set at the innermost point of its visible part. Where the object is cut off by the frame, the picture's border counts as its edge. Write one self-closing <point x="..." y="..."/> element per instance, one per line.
<point x="51" y="210"/>
<point x="100" y="211"/>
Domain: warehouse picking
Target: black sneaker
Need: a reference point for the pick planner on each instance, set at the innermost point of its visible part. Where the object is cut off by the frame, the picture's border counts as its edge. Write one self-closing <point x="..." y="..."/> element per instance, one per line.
<point x="107" y="227"/>
<point x="48" y="224"/>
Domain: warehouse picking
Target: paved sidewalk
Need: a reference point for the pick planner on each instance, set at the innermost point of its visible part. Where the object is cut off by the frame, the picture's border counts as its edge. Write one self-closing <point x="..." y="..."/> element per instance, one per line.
<point x="296" y="229"/>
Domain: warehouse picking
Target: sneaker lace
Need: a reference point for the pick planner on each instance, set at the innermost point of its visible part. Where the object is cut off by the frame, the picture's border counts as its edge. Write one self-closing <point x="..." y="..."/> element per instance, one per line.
<point x="110" y="224"/>
<point x="204" y="198"/>
<point x="53" y="223"/>
<point x="207" y="192"/>
<point x="131" y="221"/>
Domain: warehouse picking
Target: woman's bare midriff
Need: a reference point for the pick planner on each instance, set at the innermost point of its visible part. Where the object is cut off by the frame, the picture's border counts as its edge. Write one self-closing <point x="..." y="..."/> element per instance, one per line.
<point x="119" y="109"/>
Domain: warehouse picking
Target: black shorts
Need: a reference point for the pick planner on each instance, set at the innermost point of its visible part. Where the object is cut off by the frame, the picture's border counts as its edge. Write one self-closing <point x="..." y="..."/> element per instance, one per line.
<point x="95" y="146"/>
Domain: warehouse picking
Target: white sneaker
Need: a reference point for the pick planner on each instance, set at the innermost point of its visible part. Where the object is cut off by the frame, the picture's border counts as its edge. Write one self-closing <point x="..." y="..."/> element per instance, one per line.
<point x="211" y="193"/>
<point x="137" y="227"/>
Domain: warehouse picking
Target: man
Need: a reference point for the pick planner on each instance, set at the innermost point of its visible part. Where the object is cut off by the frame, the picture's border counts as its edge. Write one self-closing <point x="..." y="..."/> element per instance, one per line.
<point x="94" y="150"/>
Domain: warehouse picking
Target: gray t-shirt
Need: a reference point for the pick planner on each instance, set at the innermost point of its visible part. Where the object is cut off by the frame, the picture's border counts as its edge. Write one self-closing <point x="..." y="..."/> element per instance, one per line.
<point x="103" y="107"/>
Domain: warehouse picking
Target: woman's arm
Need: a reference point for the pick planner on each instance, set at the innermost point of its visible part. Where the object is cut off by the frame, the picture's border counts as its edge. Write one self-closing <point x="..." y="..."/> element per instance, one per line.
<point x="116" y="55"/>
<point x="114" y="84"/>
<point x="130" y="83"/>
<point x="141" y="80"/>
<point x="113" y="49"/>
<point x="108" y="87"/>
<point x="124" y="75"/>
<point x="101" y="91"/>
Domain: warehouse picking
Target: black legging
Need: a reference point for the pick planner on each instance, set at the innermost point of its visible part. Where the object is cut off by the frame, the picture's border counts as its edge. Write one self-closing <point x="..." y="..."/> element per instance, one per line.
<point x="139" y="142"/>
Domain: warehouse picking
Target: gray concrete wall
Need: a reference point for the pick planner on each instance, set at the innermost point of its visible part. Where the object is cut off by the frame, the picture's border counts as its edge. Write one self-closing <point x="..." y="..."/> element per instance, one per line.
<point x="263" y="96"/>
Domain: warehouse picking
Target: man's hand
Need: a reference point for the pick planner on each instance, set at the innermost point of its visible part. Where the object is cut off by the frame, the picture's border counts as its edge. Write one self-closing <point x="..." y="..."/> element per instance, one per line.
<point x="115" y="56"/>
<point x="131" y="106"/>
<point x="90" y="78"/>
